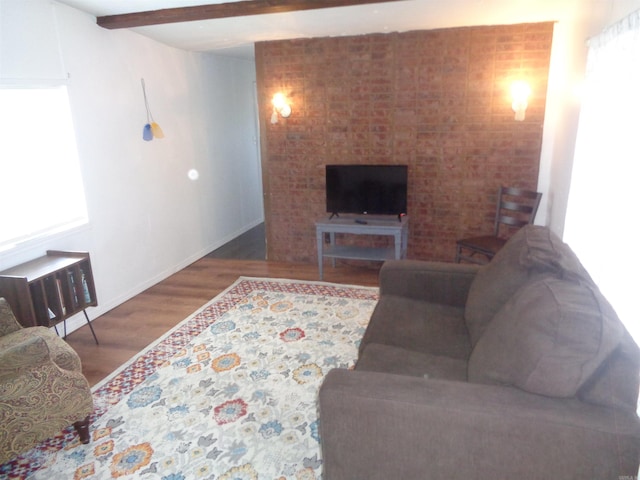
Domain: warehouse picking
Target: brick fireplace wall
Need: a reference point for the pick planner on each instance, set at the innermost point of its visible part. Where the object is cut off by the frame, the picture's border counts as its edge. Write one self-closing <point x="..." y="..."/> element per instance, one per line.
<point x="438" y="101"/>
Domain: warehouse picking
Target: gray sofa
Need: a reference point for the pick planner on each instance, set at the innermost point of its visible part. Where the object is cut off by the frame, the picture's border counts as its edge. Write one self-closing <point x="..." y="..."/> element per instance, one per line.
<point x="519" y="369"/>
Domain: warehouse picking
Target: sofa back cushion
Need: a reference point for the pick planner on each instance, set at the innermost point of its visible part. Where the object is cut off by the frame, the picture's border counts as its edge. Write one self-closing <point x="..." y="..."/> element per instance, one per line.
<point x="549" y="338"/>
<point x="530" y="254"/>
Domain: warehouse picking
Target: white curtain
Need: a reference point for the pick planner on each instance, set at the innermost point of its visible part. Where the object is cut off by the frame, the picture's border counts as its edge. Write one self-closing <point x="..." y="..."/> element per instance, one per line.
<point x="603" y="214"/>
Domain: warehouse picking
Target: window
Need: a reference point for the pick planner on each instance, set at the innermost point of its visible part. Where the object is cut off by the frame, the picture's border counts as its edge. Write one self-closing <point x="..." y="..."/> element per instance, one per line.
<point x="41" y="189"/>
<point x="601" y="215"/>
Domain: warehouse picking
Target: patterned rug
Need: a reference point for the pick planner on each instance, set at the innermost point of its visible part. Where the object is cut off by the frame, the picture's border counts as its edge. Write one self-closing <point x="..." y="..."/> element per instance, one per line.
<point x="230" y="393"/>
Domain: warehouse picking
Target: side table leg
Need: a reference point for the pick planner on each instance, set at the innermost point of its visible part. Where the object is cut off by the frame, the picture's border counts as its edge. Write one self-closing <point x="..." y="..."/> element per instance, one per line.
<point x="90" y="326"/>
<point x="405" y="241"/>
<point x="332" y="242"/>
<point x="320" y="245"/>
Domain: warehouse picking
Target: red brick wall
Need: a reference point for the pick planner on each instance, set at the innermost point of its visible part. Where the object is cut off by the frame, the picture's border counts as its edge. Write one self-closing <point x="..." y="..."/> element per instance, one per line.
<point x="437" y="101"/>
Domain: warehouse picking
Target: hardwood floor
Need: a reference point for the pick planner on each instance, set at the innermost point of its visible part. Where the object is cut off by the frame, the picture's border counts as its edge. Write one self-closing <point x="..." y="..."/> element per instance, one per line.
<point x="130" y="327"/>
<point x="250" y="245"/>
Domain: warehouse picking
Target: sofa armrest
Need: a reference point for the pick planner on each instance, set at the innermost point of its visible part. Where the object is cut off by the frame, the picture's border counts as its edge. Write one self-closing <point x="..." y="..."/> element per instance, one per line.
<point x="436" y="282"/>
<point x="379" y="426"/>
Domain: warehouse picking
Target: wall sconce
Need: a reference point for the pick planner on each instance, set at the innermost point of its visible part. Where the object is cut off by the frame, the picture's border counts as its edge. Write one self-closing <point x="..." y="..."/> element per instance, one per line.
<point x="280" y="106"/>
<point x="520" y="92"/>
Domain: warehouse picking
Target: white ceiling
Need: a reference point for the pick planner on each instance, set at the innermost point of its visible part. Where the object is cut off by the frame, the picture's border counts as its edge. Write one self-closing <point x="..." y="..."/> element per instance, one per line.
<point x="236" y="36"/>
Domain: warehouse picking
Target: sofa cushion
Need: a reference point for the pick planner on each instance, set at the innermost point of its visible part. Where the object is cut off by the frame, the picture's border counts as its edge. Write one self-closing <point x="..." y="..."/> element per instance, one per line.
<point x="615" y="384"/>
<point x="544" y="251"/>
<point x="531" y="253"/>
<point x="390" y="359"/>
<point x="549" y="339"/>
<point x="418" y="326"/>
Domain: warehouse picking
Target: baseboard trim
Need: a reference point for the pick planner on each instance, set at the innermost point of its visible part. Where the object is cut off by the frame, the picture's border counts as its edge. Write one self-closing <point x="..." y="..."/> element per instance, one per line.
<point x="78" y="320"/>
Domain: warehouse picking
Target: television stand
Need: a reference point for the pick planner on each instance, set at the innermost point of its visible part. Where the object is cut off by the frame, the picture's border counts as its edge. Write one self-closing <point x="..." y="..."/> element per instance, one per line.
<point x="399" y="230"/>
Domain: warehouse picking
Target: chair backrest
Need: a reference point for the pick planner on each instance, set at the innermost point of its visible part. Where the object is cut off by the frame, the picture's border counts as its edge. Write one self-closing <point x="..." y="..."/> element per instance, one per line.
<point x="516" y="207"/>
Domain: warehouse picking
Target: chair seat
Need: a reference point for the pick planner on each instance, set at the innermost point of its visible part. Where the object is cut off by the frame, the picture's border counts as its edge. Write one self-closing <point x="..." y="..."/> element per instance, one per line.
<point x="515" y="208"/>
<point x="486" y="244"/>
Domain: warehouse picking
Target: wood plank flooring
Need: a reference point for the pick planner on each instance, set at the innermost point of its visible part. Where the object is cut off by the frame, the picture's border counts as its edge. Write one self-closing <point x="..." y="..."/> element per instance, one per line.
<point x="250" y="245"/>
<point x="130" y="327"/>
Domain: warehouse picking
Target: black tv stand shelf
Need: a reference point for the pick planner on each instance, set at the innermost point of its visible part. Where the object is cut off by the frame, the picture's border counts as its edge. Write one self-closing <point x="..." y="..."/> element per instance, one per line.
<point x="391" y="226"/>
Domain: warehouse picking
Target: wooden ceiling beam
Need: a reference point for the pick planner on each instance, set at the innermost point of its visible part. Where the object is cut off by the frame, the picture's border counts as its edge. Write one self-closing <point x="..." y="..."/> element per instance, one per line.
<point x="221" y="10"/>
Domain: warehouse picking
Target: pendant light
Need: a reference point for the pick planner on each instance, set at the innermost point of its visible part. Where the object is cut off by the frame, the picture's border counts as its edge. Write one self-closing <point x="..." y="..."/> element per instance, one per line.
<point x="151" y="130"/>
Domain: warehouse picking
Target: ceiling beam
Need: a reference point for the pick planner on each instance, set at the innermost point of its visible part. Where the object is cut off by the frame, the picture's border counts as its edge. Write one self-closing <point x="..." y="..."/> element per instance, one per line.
<point x="221" y="10"/>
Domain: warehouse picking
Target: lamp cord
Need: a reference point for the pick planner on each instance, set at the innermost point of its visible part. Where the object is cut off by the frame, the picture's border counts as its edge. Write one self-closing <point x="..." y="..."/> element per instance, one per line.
<point x="146" y="102"/>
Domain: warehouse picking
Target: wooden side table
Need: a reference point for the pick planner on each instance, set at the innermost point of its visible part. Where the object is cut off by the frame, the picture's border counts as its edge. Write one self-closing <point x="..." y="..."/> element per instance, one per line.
<point x="396" y="227"/>
<point x="49" y="289"/>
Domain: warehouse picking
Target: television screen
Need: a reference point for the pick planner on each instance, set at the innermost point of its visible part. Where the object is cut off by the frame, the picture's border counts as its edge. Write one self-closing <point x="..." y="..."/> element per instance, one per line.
<point x="370" y="189"/>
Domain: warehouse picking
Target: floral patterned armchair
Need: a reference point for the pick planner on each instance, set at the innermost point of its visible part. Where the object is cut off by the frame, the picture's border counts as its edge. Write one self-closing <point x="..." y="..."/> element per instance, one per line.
<point x="42" y="389"/>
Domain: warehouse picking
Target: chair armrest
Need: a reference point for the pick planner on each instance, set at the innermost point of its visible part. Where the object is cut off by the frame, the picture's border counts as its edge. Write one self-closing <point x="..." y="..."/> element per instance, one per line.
<point x="436" y="282"/>
<point x="379" y="426"/>
<point x="30" y="353"/>
<point x="8" y="322"/>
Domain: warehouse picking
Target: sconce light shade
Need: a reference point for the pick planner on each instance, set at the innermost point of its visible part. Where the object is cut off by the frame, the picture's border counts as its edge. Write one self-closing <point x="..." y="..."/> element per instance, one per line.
<point x="285" y="111"/>
<point x="520" y="92"/>
<point x="280" y="106"/>
<point x="147" y="134"/>
<point x="156" y="130"/>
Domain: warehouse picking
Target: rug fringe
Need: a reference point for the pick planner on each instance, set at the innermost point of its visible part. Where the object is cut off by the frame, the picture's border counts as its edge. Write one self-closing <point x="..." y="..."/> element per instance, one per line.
<point x="311" y="282"/>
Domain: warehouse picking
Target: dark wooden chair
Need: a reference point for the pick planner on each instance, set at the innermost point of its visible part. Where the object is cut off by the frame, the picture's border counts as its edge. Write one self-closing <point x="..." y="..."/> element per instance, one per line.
<point x="516" y="207"/>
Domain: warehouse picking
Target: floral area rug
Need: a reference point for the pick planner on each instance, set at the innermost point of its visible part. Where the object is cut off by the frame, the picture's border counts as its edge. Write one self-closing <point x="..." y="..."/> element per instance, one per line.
<point x="230" y="393"/>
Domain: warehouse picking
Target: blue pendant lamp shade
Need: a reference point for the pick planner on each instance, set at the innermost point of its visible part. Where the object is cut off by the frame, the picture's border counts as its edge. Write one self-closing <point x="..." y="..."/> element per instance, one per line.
<point x="147" y="134"/>
<point x="151" y="130"/>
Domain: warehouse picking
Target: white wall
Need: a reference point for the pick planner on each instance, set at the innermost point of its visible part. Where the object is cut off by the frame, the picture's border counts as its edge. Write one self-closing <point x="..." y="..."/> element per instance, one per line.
<point x="147" y="218"/>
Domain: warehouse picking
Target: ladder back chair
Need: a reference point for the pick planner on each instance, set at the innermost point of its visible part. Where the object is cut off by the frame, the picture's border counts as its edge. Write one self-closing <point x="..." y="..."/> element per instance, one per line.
<point x="515" y="208"/>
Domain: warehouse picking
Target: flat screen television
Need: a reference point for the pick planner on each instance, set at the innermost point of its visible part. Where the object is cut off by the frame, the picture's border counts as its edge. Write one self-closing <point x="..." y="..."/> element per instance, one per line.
<point x="367" y="189"/>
